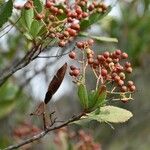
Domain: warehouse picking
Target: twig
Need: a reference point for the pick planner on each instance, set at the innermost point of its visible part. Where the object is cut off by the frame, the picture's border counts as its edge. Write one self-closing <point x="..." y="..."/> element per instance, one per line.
<point x="43" y="133"/>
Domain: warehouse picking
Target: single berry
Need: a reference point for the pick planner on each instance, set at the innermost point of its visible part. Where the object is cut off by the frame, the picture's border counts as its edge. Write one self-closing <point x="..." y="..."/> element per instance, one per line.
<point x="72" y="32"/>
<point x="90" y="61"/>
<point x="80" y="44"/>
<point x="117" y="78"/>
<point x="100" y="58"/>
<point x="124" y="55"/>
<point x="120" y="82"/>
<point x="123" y="88"/>
<point x="127" y="64"/>
<point x="103" y="72"/>
<point x="72" y="55"/>
<point x="84" y="14"/>
<point x="90" y="42"/>
<point x="62" y="43"/>
<point x="130" y="83"/>
<point x="132" y="88"/>
<point x="118" y="52"/>
<point x="75" y="26"/>
<point x="129" y="70"/>
<point x="73" y="67"/>
<point x="122" y="75"/>
<point x="106" y="54"/>
<point x="76" y="72"/>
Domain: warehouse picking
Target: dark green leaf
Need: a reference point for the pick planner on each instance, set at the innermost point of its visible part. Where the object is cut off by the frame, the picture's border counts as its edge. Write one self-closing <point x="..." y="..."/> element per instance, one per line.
<point x="5" y="12"/>
<point x="83" y="96"/>
<point x="38" y="5"/>
<point x="99" y="38"/>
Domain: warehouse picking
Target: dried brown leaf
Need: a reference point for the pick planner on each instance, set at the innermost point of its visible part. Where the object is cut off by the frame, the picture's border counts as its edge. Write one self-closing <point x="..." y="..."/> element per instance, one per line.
<point x="55" y="83"/>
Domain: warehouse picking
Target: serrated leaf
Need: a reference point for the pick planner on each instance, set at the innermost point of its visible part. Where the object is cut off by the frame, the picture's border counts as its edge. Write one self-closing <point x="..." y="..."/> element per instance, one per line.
<point x="93" y="18"/>
<point x="99" y="38"/>
<point x="5" y="12"/>
<point x="27" y="17"/>
<point x="38" y="4"/>
<point x="35" y="28"/>
<point x="111" y="114"/>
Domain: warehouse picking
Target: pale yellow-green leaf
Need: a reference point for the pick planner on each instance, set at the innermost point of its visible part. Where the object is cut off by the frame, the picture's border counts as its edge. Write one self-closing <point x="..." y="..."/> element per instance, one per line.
<point x="111" y="114"/>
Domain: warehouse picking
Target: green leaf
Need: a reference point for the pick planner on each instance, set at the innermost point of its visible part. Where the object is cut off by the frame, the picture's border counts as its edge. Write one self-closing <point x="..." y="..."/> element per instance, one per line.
<point x="99" y="38"/>
<point x="5" y="12"/>
<point x="27" y="18"/>
<point x="28" y="36"/>
<point x="93" y="18"/>
<point x="96" y="98"/>
<point x="8" y="91"/>
<point x="38" y="5"/>
<point x="35" y="28"/>
<point x="6" y="107"/>
<point x="111" y="114"/>
<point x="83" y="96"/>
<point x="100" y="96"/>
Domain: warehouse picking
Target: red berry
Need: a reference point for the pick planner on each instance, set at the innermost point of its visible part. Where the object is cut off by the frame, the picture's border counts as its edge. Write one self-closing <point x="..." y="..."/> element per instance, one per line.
<point x="73" y="67"/>
<point x="80" y="44"/>
<point x="72" y="55"/>
<point x="90" y="42"/>
<point x="118" y="52"/>
<point x="106" y="54"/>
<point x="91" y="7"/>
<point x="39" y="16"/>
<point x="62" y="43"/>
<point x="132" y="88"/>
<point x="120" y="82"/>
<point x="123" y="88"/>
<point x="78" y="10"/>
<point x="48" y="4"/>
<point x="75" y="26"/>
<point x="90" y="61"/>
<point x="130" y="83"/>
<point x="117" y="78"/>
<point x="76" y="72"/>
<point x="103" y="72"/>
<point x="84" y="14"/>
<point x="124" y="55"/>
<point x="72" y="32"/>
<point x="96" y="62"/>
<point x="100" y="58"/>
<point x="127" y="64"/>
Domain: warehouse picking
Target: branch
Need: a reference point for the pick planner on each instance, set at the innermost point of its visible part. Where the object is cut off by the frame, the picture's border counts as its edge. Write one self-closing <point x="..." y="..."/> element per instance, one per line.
<point x="6" y="73"/>
<point x="43" y="133"/>
<point x="29" y="57"/>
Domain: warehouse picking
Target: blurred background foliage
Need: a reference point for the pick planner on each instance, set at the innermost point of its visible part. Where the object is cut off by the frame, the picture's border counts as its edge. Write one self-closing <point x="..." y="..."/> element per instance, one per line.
<point x="17" y="98"/>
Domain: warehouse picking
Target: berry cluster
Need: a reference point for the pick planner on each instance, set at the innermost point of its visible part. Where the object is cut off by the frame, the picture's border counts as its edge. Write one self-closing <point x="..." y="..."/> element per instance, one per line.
<point x="62" y="20"/>
<point x="110" y="68"/>
<point x="81" y="140"/>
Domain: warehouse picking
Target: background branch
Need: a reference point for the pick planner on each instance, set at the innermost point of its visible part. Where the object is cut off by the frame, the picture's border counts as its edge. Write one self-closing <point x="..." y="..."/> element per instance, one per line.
<point x="43" y="133"/>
